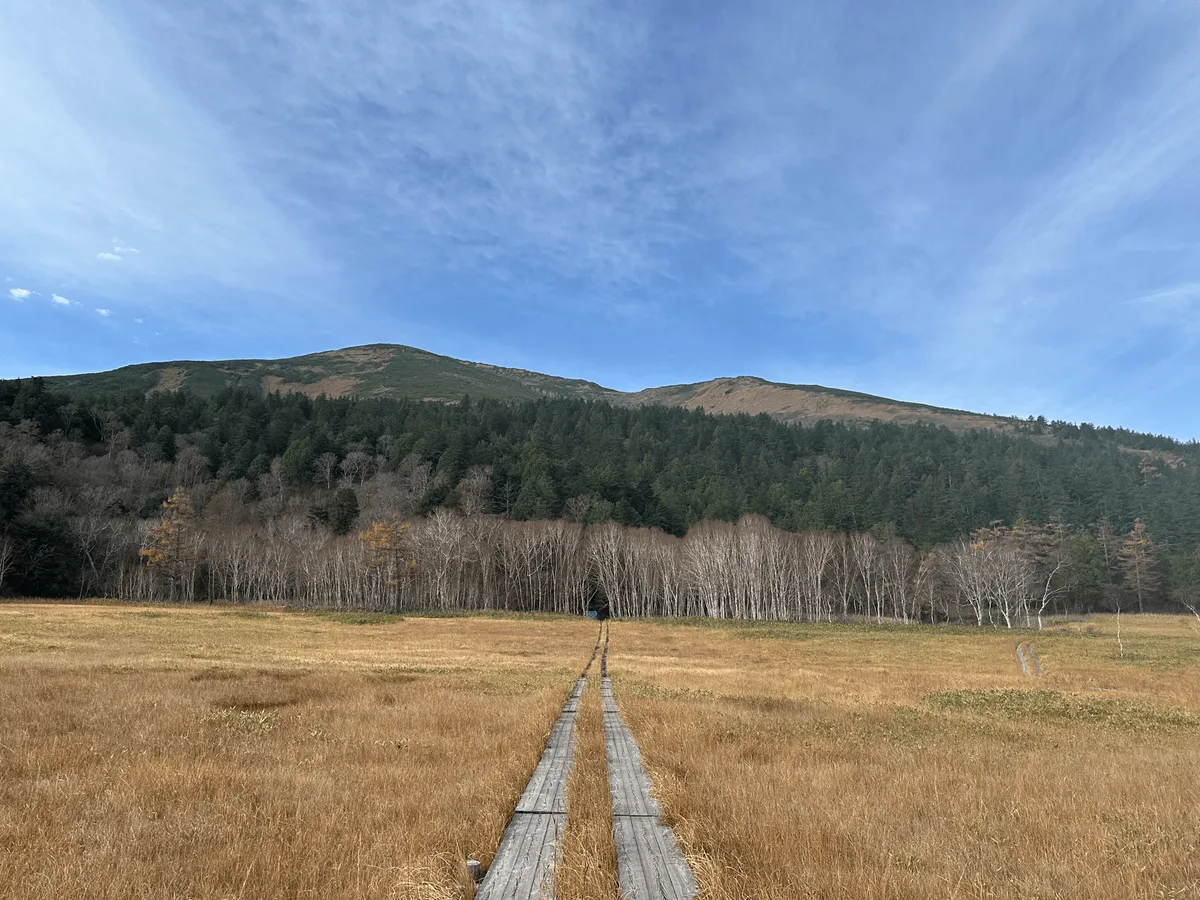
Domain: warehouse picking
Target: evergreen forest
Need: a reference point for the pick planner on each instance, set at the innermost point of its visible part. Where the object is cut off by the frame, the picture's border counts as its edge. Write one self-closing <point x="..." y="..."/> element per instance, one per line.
<point x="81" y="474"/>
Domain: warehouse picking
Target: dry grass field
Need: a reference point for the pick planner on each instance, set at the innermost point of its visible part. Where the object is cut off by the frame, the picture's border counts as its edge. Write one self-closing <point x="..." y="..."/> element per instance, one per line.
<point x="843" y="762"/>
<point x="223" y="753"/>
<point x="226" y="753"/>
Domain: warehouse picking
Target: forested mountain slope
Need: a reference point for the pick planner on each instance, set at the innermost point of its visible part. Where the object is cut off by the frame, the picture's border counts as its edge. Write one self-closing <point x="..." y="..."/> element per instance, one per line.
<point x="392" y="370"/>
<point x="70" y="468"/>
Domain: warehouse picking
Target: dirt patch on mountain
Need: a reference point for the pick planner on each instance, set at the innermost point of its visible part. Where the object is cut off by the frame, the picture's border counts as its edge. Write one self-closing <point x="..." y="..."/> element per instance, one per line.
<point x="1152" y="459"/>
<point x="171" y="378"/>
<point x="363" y="356"/>
<point x="333" y="387"/>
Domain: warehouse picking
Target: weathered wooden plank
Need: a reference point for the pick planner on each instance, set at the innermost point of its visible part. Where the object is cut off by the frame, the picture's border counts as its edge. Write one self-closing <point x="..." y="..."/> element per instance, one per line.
<point x="523" y="868"/>
<point x="628" y="781"/>
<point x="524" y="865"/>
<point x="606" y="697"/>
<point x="547" y="788"/>
<point x="650" y="865"/>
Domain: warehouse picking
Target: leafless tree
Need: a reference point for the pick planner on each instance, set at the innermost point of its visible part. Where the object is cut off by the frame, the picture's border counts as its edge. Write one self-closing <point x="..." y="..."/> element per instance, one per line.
<point x="324" y="466"/>
<point x="474" y="491"/>
<point x="6" y="557"/>
<point x="930" y="590"/>
<point x="113" y="434"/>
<point x="191" y="469"/>
<point x="897" y="580"/>
<point x="865" y="552"/>
<point x="357" y="465"/>
<point x="816" y="551"/>
<point x="966" y="570"/>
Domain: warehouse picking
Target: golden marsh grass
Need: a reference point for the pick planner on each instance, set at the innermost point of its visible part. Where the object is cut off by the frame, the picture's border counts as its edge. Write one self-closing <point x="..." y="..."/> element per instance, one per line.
<point x="222" y="753"/>
<point x="810" y="761"/>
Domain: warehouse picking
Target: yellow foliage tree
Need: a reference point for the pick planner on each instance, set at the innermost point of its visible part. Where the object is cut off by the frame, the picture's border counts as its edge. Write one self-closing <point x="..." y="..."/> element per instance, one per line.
<point x="386" y="537"/>
<point x="1139" y="557"/>
<point x="169" y="546"/>
<point x="387" y="545"/>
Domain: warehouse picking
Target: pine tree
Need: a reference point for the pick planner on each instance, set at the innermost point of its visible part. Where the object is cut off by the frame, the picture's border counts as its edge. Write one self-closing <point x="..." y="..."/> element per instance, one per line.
<point x="343" y="511"/>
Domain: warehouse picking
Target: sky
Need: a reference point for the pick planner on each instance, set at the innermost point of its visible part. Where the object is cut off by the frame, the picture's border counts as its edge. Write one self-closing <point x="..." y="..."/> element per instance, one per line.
<point x="991" y="206"/>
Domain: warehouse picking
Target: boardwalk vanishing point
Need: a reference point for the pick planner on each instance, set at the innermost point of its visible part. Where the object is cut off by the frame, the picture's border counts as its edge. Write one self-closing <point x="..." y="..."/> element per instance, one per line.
<point x="650" y="865"/>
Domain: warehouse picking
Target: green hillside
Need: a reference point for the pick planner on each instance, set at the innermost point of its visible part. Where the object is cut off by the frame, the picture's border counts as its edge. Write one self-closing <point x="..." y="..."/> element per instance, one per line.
<point x="374" y="370"/>
<point x="408" y="373"/>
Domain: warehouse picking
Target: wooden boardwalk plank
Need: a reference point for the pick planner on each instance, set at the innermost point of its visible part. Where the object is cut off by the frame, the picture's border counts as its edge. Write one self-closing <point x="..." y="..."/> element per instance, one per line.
<point x="650" y="865"/>
<point x="524" y="865"/>
<point x="547" y="789"/>
<point x="628" y="780"/>
<point x="523" y="868"/>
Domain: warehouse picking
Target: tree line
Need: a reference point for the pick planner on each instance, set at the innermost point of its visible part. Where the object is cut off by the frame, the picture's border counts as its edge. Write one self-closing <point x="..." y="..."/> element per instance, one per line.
<point x="749" y="569"/>
<point x="276" y="490"/>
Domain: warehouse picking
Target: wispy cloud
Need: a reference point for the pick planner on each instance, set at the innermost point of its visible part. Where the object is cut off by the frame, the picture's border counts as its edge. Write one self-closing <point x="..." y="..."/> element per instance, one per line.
<point x="104" y="313"/>
<point x="952" y="201"/>
<point x="99" y="142"/>
<point x="59" y="300"/>
<point x="1177" y="297"/>
<point x="480" y="138"/>
<point x="19" y="293"/>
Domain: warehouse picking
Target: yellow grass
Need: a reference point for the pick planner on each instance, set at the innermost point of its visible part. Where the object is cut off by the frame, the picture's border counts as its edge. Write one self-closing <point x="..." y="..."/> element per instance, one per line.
<point x="171" y="753"/>
<point x="914" y="763"/>
<point x="222" y="753"/>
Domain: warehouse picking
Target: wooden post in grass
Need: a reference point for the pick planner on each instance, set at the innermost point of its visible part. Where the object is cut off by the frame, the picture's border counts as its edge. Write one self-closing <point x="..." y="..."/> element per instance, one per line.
<point x="1037" y="663"/>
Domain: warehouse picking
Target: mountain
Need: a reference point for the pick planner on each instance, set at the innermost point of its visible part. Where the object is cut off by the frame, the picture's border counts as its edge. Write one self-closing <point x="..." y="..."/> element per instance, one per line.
<point x="373" y="370"/>
<point x="393" y="370"/>
<point x="797" y="403"/>
<point x="82" y="478"/>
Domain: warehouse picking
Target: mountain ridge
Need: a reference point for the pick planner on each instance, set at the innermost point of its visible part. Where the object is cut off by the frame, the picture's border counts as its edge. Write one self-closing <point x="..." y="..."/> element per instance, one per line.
<point x="402" y="372"/>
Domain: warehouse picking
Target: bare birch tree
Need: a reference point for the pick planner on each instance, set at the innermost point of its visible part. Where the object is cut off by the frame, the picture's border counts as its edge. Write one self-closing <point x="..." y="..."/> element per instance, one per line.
<point x="6" y="558"/>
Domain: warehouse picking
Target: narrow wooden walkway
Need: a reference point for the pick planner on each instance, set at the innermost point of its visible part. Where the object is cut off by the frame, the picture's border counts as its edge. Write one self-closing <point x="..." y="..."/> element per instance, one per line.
<point x="523" y="868"/>
<point x="650" y="865"/>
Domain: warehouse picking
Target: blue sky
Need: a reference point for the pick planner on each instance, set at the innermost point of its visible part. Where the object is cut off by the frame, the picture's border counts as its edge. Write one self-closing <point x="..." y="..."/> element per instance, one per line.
<point x="991" y="206"/>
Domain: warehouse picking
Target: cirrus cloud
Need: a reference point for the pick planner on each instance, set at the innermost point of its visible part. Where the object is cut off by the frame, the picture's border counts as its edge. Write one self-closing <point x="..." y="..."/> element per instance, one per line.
<point x="946" y="203"/>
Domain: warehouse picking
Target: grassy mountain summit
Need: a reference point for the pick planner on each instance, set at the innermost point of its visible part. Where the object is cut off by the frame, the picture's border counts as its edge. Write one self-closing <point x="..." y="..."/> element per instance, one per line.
<point x="806" y="403"/>
<point x="372" y="370"/>
<point x="397" y="371"/>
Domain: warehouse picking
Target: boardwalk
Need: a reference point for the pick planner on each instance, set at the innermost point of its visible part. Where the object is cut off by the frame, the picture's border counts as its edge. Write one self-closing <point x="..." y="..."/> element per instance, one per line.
<point x="650" y="865"/>
<point x="523" y="868"/>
